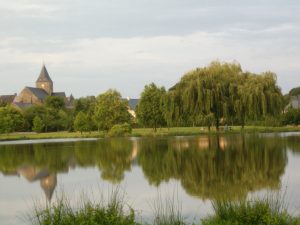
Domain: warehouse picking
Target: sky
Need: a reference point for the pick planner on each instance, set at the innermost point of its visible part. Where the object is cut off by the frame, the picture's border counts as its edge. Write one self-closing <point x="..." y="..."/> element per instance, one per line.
<point x="89" y="46"/>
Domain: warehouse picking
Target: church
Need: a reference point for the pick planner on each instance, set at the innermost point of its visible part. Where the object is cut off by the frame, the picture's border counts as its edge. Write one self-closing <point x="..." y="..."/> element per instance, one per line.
<point x="37" y="95"/>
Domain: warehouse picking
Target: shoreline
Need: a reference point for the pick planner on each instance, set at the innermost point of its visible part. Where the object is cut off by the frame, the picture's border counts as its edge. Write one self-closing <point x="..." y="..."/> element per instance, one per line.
<point x="149" y="132"/>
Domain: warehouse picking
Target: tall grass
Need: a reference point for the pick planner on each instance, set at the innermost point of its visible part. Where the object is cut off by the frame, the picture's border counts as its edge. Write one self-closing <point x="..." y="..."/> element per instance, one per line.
<point x="87" y="212"/>
<point x="271" y="210"/>
<point x="168" y="211"/>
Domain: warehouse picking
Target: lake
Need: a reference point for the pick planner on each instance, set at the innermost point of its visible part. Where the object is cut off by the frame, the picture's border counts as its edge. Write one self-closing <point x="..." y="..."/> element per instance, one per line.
<point x="191" y="170"/>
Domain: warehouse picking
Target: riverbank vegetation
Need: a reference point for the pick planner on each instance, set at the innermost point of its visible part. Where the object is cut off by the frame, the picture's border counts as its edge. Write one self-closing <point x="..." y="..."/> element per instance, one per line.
<point x="221" y="94"/>
<point x="268" y="211"/>
<point x="126" y="130"/>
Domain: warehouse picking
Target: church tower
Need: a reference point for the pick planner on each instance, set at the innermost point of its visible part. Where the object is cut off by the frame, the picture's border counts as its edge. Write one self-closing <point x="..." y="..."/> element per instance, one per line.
<point x="44" y="81"/>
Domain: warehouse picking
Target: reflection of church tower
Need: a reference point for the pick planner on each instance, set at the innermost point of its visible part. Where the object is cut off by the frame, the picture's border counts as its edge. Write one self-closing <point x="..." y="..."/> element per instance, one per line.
<point x="44" y="81"/>
<point x="48" y="184"/>
<point x="47" y="180"/>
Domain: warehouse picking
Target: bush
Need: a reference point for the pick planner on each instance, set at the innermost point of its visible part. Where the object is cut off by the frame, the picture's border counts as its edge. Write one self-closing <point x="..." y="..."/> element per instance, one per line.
<point x="291" y="117"/>
<point x="120" y="130"/>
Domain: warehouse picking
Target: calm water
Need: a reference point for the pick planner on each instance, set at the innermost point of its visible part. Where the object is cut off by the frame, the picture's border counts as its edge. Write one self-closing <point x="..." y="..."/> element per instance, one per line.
<point x="195" y="170"/>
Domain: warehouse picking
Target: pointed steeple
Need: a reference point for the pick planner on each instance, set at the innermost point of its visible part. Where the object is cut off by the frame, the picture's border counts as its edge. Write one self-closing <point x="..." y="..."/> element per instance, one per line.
<point x="48" y="184"/>
<point x="44" y="81"/>
<point x="44" y="75"/>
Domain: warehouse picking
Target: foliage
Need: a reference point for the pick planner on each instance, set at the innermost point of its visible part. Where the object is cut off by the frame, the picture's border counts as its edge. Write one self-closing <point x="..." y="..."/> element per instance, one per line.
<point x="11" y="120"/>
<point x="55" y="102"/>
<point x="292" y="116"/>
<point x="119" y="130"/>
<point x="110" y="109"/>
<point x="82" y="122"/>
<point x="226" y="92"/>
<point x="54" y="119"/>
<point x="294" y="91"/>
<point x="86" y="105"/>
<point x="150" y="111"/>
<point x="38" y="124"/>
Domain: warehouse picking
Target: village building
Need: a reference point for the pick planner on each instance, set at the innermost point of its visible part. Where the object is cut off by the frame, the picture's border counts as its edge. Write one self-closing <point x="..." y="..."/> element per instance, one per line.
<point x="7" y="99"/>
<point x="295" y="102"/>
<point x="132" y="104"/>
<point x="37" y="95"/>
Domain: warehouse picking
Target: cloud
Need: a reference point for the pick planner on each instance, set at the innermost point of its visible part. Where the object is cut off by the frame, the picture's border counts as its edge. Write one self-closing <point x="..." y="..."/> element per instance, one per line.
<point x="127" y="44"/>
<point x="129" y="63"/>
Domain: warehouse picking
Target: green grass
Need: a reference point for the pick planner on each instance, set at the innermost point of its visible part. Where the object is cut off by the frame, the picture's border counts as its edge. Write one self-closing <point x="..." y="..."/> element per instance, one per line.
<point x="268" y="211"/>
<point x="87" y="213"/>
<point x="140" y="132"/>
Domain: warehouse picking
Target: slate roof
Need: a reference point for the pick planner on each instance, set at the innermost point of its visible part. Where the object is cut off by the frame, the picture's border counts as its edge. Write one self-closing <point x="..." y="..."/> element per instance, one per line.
<point x="22" y="105"/>
<point x="59" y="94"/>
<point x="133" y="102"/>
<point x="44" y="76"/>
<point x="38" y="92"/>
<point x="7" y="99"/>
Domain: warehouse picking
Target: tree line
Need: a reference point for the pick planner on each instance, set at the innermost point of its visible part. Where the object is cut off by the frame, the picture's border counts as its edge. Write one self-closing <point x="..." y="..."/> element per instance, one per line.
<point x="219" y="94"/>
<point x="215" y="95"/>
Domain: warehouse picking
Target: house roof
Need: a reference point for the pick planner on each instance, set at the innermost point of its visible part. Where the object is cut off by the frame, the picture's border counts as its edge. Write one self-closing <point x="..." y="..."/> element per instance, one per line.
<point x="7" y="99"/>
<point x="59" y="94"/>
<point x="44" y="76"/>
<point x="133" y="103"/>
<point x="38" y="92"/>
<point x="22" y="105"/>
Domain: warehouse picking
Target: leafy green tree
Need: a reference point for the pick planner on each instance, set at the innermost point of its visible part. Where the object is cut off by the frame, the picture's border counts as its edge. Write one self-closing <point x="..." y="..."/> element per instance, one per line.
<point x="110" y="109"/>
<point x="85" y="104"/>
<point x="150" y="111"/>
<point x="55" y="102"/>
<point x="226" y="92"/>
<point x="11" y="120"/>
<point x="32" y="112"/>
<point x="81" y="122"/>
<point x="294" y="91"/>
<point x="38" y="124"/>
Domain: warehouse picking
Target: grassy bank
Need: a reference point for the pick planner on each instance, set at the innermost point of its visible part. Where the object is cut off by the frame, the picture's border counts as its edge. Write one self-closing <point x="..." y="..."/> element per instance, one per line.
<point x="140" y="132"/>
<point x="268" y="211"/>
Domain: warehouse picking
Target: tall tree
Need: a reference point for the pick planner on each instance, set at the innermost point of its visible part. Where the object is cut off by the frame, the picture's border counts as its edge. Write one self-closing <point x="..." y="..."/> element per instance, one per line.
<point x="110" y="109"/>
<point x="38" y="124"/>
<point x="226" y="92"/>
<point x="82" y="122"/>
<point x="55" y="102"/>
<point x="11" y="120"/>
<point x="150" y="111"/>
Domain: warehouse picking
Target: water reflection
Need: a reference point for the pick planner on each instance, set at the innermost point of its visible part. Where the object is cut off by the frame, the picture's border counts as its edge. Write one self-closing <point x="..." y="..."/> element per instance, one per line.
<point x="208" y="167"/>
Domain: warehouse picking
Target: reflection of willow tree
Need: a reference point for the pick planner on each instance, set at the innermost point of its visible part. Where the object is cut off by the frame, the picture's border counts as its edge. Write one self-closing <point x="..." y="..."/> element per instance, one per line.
<point x="112" y="156"/>
<point x="230" y="167"/>
<point x="293" y="143"/>
<point x="55" y="157"/>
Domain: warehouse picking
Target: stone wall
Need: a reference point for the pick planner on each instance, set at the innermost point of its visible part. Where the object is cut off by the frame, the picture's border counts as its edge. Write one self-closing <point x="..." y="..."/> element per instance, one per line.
<point x="27" y="97"/>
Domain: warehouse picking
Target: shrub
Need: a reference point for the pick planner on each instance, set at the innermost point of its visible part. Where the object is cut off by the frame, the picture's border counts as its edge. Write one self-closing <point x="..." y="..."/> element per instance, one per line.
<point x="120" y="130"/>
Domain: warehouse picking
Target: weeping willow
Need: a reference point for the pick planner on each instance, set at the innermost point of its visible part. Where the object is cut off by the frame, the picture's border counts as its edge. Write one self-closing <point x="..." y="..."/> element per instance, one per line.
<point x="222" y="93"/>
